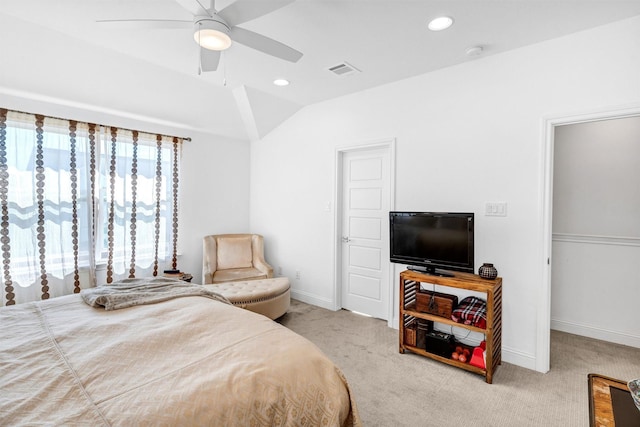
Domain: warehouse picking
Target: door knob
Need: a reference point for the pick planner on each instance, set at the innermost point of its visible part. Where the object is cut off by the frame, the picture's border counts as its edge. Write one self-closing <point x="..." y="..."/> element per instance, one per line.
<point x="346" y="239"/>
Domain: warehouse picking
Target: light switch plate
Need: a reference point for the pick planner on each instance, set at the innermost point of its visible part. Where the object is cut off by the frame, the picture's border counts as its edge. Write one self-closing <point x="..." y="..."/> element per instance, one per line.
<point x="496" y="209"/>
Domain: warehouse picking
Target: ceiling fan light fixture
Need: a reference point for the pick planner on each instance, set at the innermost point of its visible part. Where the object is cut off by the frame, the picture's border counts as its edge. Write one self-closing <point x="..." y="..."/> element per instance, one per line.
<point x="440" y="23"/>
<point x="212" y="34"/>
<point x="281" y="82"/>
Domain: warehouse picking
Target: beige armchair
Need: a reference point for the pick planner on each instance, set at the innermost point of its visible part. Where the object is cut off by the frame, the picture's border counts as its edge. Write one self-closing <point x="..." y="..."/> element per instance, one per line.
<point x="234" y="257"/>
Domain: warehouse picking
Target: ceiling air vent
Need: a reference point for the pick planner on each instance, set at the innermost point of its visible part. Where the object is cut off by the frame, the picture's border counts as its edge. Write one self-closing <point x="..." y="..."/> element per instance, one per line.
<point x="343" y="69"/>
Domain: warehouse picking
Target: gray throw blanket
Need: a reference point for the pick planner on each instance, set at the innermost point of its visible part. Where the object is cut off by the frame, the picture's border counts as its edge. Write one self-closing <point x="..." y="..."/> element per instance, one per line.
<point x="131" y="292"/>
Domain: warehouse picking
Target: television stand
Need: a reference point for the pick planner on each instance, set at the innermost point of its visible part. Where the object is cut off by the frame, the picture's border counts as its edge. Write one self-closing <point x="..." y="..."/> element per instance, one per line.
<point x="410" y="316"/>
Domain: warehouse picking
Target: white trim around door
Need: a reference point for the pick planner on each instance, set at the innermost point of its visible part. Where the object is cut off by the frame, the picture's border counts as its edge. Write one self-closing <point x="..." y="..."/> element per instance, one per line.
<point x="389" y="145"/>
<point x="543" y="339"/>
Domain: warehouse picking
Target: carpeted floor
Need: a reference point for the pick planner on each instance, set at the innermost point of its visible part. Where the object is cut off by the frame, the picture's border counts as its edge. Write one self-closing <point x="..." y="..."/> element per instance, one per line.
<point x="393" y="389"/>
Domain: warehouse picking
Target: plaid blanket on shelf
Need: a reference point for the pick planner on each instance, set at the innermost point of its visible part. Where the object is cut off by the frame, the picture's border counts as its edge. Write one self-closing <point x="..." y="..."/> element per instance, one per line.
<point x="471" y="311"/>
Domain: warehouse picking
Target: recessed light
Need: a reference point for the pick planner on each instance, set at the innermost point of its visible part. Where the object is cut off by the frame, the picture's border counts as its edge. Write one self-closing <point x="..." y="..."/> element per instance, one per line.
<point x="440" y="23"/>
<point x="281" y="82"/>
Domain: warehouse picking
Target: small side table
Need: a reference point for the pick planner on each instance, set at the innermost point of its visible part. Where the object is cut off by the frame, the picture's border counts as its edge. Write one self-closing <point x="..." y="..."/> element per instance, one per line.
<point x="610" y="403"/>
<point x="177" y="274"/>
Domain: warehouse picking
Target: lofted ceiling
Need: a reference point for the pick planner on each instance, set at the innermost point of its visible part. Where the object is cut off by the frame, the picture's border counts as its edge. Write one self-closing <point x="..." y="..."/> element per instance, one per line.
<point x="385" y="40"/>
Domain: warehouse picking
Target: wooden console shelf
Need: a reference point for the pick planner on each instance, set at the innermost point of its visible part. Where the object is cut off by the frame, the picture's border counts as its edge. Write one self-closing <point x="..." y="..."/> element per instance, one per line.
<point x="409" y="285"/>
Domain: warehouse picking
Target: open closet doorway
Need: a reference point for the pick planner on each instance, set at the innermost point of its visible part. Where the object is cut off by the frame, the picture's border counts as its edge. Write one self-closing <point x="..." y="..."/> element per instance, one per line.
<point x="593" y="242"/>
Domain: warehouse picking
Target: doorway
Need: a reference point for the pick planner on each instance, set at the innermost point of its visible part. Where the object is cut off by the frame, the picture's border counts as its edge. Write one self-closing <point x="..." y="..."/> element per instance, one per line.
<point x="364" y="197"/>
<point x="544" y="306"/>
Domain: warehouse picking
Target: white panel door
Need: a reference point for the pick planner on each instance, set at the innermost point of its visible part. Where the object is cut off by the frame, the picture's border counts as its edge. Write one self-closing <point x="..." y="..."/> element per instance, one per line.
<point x="366" y="179"/>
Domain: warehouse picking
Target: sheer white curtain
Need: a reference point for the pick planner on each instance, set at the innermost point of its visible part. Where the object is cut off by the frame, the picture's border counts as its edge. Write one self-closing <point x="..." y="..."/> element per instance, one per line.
<point x="73" y="195"/>
<point x="136" y="203"/>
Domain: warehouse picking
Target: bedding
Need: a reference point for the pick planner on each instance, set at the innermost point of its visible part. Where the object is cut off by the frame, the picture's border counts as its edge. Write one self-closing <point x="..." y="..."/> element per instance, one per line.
<point x="186" y="361"/>
<point x="138" y="291"/>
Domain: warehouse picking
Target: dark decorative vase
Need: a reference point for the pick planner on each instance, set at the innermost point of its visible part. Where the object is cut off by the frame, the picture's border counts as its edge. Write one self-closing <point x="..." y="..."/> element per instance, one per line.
<point x="488" y="271"/>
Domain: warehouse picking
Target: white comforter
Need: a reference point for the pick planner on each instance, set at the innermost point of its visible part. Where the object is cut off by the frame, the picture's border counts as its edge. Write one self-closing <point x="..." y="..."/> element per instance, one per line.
<point x="187" y="361"/>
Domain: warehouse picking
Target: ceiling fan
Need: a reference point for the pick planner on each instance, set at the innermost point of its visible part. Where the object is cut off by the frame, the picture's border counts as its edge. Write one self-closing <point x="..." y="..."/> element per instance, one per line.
<point x="214" y="30"/>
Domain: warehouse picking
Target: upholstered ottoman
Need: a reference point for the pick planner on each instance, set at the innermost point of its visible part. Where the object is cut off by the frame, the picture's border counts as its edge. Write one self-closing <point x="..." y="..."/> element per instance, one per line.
<point x="269" y="297"/>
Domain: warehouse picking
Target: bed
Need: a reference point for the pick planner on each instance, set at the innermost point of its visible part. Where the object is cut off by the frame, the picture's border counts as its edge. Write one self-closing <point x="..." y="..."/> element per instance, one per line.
<point x="185" y="361"/>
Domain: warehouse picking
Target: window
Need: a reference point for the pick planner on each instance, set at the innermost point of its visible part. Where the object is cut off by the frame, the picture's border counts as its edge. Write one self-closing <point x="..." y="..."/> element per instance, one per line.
<point x="74" y="195"/>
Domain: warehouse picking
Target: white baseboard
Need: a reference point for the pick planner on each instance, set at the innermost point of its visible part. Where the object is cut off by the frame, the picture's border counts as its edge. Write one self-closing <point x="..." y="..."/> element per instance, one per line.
<point x="519" y="358"/>
<point x="394" y="323"/>
<point x="509" y="355"/>
<point x="312" y="299"/>
<point x="596" y="333"/>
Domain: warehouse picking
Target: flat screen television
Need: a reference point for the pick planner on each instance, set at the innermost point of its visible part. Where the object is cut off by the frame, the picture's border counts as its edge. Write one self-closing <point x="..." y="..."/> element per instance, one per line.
<point x="434" y="242"/>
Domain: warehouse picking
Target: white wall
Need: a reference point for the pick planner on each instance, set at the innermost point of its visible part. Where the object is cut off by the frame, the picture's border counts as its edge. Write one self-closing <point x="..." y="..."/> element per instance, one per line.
<point x="596" y="232"/>
<point x="596" y="174"/>
<point x="214" y="195"/>
<point x="465" y="135"/>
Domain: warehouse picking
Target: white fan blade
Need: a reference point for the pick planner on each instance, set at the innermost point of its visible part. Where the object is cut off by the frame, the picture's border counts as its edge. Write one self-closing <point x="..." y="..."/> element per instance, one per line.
<point x="194" y="6"/>
<point x="264" y="44"/>
<point x="245" y="10"/>
<point x="146" y="24"/>
<point x="209" y="59"/>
